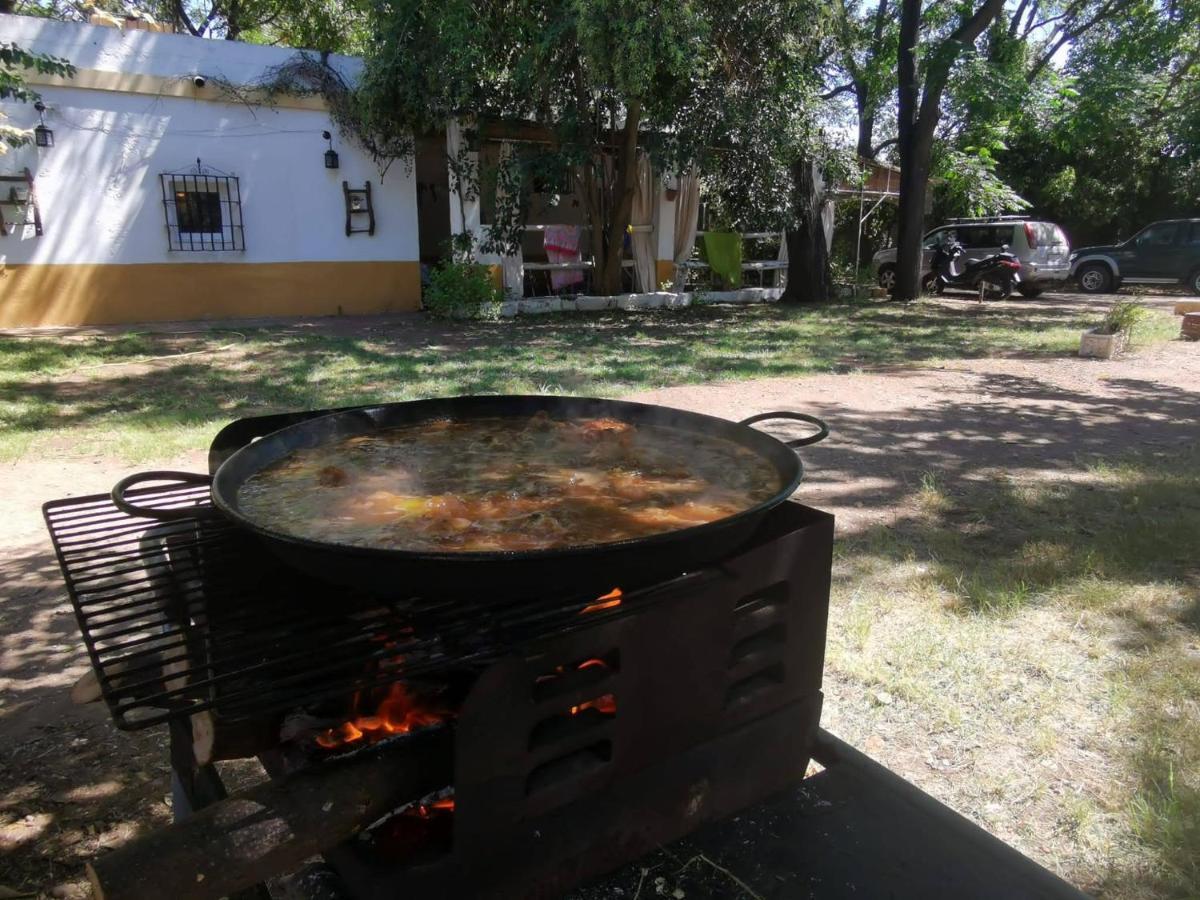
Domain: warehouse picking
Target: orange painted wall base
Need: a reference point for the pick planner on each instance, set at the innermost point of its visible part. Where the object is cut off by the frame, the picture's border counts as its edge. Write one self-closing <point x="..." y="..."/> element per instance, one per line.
<point x="87" y="294"/>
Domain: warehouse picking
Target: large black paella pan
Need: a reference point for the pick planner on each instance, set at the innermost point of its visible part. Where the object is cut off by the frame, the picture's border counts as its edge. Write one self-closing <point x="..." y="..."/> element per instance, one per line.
<point x="405" y="567"/>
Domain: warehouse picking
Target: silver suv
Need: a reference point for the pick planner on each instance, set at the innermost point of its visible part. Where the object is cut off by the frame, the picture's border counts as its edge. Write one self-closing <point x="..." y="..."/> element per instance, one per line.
<point x="1041" y="247"/>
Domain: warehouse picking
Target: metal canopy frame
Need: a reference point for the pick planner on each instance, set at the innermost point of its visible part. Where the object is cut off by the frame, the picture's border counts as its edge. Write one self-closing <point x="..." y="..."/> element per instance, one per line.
<point x="862" y="195"/>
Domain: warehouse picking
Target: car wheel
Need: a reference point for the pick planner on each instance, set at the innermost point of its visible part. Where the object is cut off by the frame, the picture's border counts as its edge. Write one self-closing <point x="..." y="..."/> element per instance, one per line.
<point x="1095" y="278"/>
<point x="1028" y="290"/>
<point x="887" y="278"/>
<point x="1194" y="282"/>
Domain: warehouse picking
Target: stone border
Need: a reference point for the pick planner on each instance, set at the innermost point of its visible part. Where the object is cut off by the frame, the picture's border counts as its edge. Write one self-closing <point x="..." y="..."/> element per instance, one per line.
<point x="656" y="300"/>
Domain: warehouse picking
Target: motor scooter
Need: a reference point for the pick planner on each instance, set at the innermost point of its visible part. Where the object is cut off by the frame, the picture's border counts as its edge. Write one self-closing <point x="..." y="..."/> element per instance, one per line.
<point x="994" y="277"/>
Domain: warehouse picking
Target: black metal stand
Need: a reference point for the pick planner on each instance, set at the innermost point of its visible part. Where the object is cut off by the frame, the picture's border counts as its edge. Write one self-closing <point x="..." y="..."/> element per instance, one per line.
<point x="854" y="830"/>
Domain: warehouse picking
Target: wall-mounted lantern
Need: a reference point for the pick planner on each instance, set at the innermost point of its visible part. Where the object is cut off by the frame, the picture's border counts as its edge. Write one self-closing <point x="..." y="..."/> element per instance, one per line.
<point x="42" y="136"/>
<point x="331" y="157"/>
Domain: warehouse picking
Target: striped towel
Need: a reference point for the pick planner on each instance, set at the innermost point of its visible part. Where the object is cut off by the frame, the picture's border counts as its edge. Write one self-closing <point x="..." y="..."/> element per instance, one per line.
<point x="562" y="245"/>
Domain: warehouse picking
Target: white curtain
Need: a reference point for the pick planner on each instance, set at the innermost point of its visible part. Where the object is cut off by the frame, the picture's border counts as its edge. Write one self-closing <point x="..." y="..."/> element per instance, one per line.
<point x="780" y="278"/>
<point x="687" y="219"/>
<point x="827" y="211"/>
<point x="513" y="266"/>
<point x="642" y="218"/>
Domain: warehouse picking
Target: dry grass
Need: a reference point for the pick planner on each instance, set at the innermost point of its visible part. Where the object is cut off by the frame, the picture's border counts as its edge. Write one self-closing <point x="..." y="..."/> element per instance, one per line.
<point x="1030" y="654"/>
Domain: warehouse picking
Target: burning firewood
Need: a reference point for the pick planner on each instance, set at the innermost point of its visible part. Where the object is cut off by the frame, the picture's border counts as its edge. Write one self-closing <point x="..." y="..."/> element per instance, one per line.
<point x="274" y="827"/>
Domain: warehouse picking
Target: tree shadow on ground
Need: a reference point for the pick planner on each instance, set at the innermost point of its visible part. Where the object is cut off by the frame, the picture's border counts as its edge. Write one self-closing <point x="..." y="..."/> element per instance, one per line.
<point x="71" y="785"/>
<point x="1117" y="542"/>
<point x="48" y="384"/>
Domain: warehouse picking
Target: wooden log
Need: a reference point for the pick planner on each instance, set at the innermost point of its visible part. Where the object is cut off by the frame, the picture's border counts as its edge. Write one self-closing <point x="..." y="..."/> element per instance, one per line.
<point x="86" y="689"/>
<point x="214" y="739"/>
<point x="273" y="827"/>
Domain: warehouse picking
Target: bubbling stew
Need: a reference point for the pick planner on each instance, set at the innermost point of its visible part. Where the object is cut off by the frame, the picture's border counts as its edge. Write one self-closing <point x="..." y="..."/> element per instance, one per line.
<point x="506" y="484"/>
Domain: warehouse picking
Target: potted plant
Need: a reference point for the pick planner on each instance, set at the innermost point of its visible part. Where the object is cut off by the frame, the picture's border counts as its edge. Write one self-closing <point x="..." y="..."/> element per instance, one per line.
<point x="1112" y="335"/>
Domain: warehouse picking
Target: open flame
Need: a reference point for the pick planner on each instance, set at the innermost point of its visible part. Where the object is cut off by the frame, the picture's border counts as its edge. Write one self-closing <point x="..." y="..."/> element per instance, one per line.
<point x="425" y="810"/>
<point x="398" y="713"/>
<point x="606" y="703"/>
<point x="607" y="601"/>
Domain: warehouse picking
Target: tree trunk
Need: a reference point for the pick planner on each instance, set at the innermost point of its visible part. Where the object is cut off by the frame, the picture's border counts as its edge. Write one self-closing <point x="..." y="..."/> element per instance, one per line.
<point x="866" y="124"/>
<point x="911" y="214"/>
<point x="233" y="20"/>
<point x="607" y="277"/>
<point x="917" y="119"/>
<point x="862" y="96"/>
<point x="7" y="6"/>
<point x="809" y="276"/>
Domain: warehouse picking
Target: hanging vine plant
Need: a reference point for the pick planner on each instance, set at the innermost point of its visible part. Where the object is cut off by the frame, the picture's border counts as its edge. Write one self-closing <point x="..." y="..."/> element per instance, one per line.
<point x="306" y="75"/>
<point x="503" y="235"/>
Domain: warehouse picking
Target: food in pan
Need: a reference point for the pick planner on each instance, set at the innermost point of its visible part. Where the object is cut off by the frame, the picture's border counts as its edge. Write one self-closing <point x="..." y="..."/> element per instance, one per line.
<point x="506" y="484"/>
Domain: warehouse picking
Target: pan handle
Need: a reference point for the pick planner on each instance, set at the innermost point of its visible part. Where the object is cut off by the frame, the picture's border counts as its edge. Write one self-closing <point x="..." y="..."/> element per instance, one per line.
<point x="795" y="443"/>
<point x="163" y="515"/>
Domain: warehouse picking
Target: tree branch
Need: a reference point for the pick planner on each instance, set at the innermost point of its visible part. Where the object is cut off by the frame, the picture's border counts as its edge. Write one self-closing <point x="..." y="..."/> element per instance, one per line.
<point x="185" y="20"/>
<point x="1015" y="24"/>
<point x="1069" y="34"/>
<point x="939" y="68"/>
<point x="840" y="89"/>
<point x="888" y="143"/>
<point x="1185" y="68"/>
<point x="970" y="29"/>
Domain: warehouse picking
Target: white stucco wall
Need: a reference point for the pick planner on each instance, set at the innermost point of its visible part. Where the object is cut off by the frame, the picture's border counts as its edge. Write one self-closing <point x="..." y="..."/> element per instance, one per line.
<point x="98" y="187"/>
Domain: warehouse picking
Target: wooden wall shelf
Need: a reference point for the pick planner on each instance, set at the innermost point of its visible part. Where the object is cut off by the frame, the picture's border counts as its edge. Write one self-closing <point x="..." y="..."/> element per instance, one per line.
<point x="13" y="199"/>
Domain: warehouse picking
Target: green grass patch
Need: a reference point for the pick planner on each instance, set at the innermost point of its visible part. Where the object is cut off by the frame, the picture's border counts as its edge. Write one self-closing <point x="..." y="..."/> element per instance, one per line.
<point x="116" y="396"/>
<point x="1049" y="615"/>
<point x="997" y="546"/>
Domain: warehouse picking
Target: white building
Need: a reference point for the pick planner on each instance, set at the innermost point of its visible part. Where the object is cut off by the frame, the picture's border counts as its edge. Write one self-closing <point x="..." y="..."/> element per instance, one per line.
<point x="133" y="230"/>
<point x="172" y="190"/>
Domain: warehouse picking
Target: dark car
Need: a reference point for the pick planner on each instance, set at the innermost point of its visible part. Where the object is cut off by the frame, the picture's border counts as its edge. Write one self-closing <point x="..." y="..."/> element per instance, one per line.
<point x="1165" y="252"/>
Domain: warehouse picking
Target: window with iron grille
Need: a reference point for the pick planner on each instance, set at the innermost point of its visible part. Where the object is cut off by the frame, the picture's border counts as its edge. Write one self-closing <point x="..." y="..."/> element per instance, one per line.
<point x="203" y="211"/>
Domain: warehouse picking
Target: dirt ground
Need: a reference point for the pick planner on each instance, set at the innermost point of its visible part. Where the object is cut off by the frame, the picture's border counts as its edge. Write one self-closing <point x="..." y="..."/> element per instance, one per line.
<point x="71" y="785"/>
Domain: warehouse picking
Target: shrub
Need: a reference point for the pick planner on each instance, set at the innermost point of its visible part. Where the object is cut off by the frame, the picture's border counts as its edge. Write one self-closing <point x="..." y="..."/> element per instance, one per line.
<point x="1122" y="316"/>
<point x="462" y="290"/>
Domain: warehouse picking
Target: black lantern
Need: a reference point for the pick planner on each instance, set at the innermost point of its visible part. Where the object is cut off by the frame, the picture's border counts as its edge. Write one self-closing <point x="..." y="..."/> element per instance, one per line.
<point x="331" y="157"/>
<point x="42" y="136"/>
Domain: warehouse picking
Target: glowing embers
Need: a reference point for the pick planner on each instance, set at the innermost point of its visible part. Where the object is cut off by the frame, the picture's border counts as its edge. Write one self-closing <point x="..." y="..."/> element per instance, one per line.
<point x="399" y="712"/>
<point x="611" y="600"/>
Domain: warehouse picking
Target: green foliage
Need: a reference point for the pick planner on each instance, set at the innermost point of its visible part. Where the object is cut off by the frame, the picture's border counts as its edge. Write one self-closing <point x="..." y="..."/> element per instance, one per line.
<point x="336" y="26"/>
<point x="1113" y="141"/>
<point x="13" y="61"/>
<point x="723" y="84"/>
<point x="1122" y="316"/>
<point x="969" y="184"/>
<point x="462" y="290"/>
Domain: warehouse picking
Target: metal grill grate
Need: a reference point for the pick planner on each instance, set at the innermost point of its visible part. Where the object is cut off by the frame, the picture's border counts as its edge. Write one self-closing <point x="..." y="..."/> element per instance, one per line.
<point x="203" y="212"/>
<point x="189" y="616"/>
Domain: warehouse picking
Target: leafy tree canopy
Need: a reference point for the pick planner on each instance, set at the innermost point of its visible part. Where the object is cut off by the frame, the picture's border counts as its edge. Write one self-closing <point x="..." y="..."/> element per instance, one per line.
<point x="338" y="26"/>
<point x="707" y="82"/>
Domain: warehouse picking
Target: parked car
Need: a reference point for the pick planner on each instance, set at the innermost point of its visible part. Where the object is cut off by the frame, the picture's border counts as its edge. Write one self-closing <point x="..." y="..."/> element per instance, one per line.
<point x="1166" y="252"/>
<point x="1041" y="247"/>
